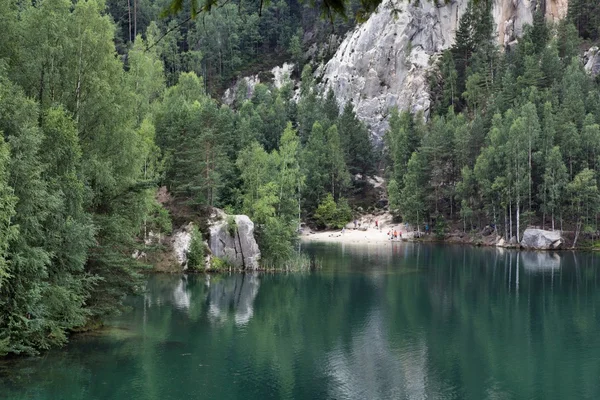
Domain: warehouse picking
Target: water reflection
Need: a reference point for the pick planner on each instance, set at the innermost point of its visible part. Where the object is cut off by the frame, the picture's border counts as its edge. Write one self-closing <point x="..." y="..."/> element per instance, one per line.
<point x="224" y="296"/>
<point x="538" y="261"/>
<point x="383" y="322"/>
<point x="234" y="293"/>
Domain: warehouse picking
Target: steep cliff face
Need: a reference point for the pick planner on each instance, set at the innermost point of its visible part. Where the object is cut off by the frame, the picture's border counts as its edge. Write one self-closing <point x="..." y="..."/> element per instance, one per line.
<point x="383" y="63"/>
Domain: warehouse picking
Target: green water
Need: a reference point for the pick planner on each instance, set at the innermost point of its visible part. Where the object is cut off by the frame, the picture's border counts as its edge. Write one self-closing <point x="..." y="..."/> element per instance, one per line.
<point x="401" y="322"/>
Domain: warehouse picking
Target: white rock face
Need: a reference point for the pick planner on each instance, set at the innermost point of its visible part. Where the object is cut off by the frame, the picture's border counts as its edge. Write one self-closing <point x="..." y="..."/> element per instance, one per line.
<point x="240" y="249"/>
<point x="281" y="75"/>
<point x="538" y="239"/>
<point x="181" y="242"/>
<point x="592" y="61"/>
<point x="384" y="62"/>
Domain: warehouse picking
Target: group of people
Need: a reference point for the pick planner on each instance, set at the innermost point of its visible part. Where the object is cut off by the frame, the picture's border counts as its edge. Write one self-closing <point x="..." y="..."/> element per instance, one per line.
<point x="394" y="235"/>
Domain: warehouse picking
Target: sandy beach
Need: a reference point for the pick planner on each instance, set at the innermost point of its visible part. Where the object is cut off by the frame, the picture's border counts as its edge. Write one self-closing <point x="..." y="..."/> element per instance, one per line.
<point x="371" y="235"/>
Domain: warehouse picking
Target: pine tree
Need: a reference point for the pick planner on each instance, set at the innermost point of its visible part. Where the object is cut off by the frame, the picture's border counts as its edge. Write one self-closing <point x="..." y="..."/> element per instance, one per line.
<point x="554" y="181"/>
<point x="412" y="198"/>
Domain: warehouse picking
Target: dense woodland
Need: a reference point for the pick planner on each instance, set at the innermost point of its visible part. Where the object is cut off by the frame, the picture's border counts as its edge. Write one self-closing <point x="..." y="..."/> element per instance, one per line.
<point x="101" y="104"/>
<point x="95" y="119"/>
<point x="514" y="136"/>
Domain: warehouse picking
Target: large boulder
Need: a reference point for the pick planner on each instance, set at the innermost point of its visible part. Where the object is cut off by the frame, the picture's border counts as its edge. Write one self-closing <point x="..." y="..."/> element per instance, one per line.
<point x="539" y="239"/>
<point x="236" y="245"/>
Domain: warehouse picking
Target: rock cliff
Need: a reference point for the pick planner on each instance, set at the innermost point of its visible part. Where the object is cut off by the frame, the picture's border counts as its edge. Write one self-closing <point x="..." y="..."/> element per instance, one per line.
<point x="235" y="243"/>
<point x="383" y="63"/>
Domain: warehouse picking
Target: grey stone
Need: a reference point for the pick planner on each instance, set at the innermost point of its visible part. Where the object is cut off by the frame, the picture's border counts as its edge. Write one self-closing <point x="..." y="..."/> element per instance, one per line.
<point x="513" y="240"/>
<point x="240" y="249"/>
<point x="592" y="61"/>
<point x="538" y="239"/>
<point x="384" y="62"/>
<point x="180" y="244"/>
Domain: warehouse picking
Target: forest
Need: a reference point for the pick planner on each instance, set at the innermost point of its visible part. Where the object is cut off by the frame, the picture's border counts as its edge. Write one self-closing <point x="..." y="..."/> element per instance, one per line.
<point x="514" y="136"/>
<point x="103" y="103"/>
<point x="95" y="117"/>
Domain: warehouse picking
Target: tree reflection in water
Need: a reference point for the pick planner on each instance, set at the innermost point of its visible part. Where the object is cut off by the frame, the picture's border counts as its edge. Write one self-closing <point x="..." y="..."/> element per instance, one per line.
<point x="391" y="322"/>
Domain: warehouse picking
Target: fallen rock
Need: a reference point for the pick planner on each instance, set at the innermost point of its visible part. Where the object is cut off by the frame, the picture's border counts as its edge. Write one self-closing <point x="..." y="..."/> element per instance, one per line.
<point x="501" y="242"/>
<point x="239" y="248"/>
<point x="539" y="239"/>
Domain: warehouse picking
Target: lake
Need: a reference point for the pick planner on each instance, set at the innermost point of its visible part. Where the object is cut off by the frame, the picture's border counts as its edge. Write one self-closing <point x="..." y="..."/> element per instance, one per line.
<point x="402" y="321"/>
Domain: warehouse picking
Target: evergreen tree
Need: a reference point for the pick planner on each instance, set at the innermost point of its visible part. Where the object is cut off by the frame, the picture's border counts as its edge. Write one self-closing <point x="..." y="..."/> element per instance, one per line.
<point x="554" y="181"/>
<point x="412" y="198"/>
<point x="354" y="138"/>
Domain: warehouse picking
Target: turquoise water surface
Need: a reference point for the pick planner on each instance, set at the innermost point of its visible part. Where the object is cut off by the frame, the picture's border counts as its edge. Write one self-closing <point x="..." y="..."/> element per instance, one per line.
<point x="401" y="321"/>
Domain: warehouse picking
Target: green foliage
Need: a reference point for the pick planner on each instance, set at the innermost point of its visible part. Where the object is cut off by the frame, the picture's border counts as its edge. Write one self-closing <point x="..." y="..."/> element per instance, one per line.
<point x="441" y="228"/>
<point x="510" y="134"/>
<point x="196" y="253"/>
<point x="218" y="264"/>
<point x="393" y="191"/>
<point x="231" y="225"/>
<point x="412" y="198"/>
<point x="333" y="215"/>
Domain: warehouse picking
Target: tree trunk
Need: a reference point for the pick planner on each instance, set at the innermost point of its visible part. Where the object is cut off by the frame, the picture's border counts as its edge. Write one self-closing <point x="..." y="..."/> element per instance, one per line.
<point x="129" y="14"/>
<point x="510" y="219"/>
<point x="529" y="175"/>
<point x="79" y="78"/>
<point x="134" y="19"/>
<point x="577" y="230"/>
<point x="552" y="220"/>
<point x="505" y="224"/>
<point x="544" y="220"/>
<point x="518" y="221"/>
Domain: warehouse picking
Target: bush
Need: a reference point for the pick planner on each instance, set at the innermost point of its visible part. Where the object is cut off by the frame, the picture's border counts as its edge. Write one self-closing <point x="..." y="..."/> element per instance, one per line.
<point x="219" y="264"/>
<point x="231" y="225"/>
<point x="332" y="215"/>
<point x="441" y="228"/>
<point x="196" y="252"/>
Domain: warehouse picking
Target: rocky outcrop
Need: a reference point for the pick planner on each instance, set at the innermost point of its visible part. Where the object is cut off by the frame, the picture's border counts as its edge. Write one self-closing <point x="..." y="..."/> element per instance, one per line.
<point x="278" y="76"/>
<point x="538" y="239"/>
<point x="384" y="62"/>
<point x="591" y="59"/>
<point x="235" y="244"/>
<point x="180" y="243"/>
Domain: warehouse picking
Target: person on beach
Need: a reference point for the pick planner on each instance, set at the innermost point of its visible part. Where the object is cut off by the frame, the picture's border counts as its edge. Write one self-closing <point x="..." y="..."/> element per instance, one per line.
<point x="376" y="224"/>
<point x="395" y="234"/>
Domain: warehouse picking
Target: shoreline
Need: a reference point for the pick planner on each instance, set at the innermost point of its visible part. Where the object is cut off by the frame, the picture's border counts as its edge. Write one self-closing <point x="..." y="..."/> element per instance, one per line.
<point x="374" y="236"/>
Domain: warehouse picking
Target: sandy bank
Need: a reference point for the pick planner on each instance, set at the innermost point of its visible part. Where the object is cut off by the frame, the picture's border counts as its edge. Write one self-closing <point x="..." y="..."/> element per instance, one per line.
<point x="371" y="235"/>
